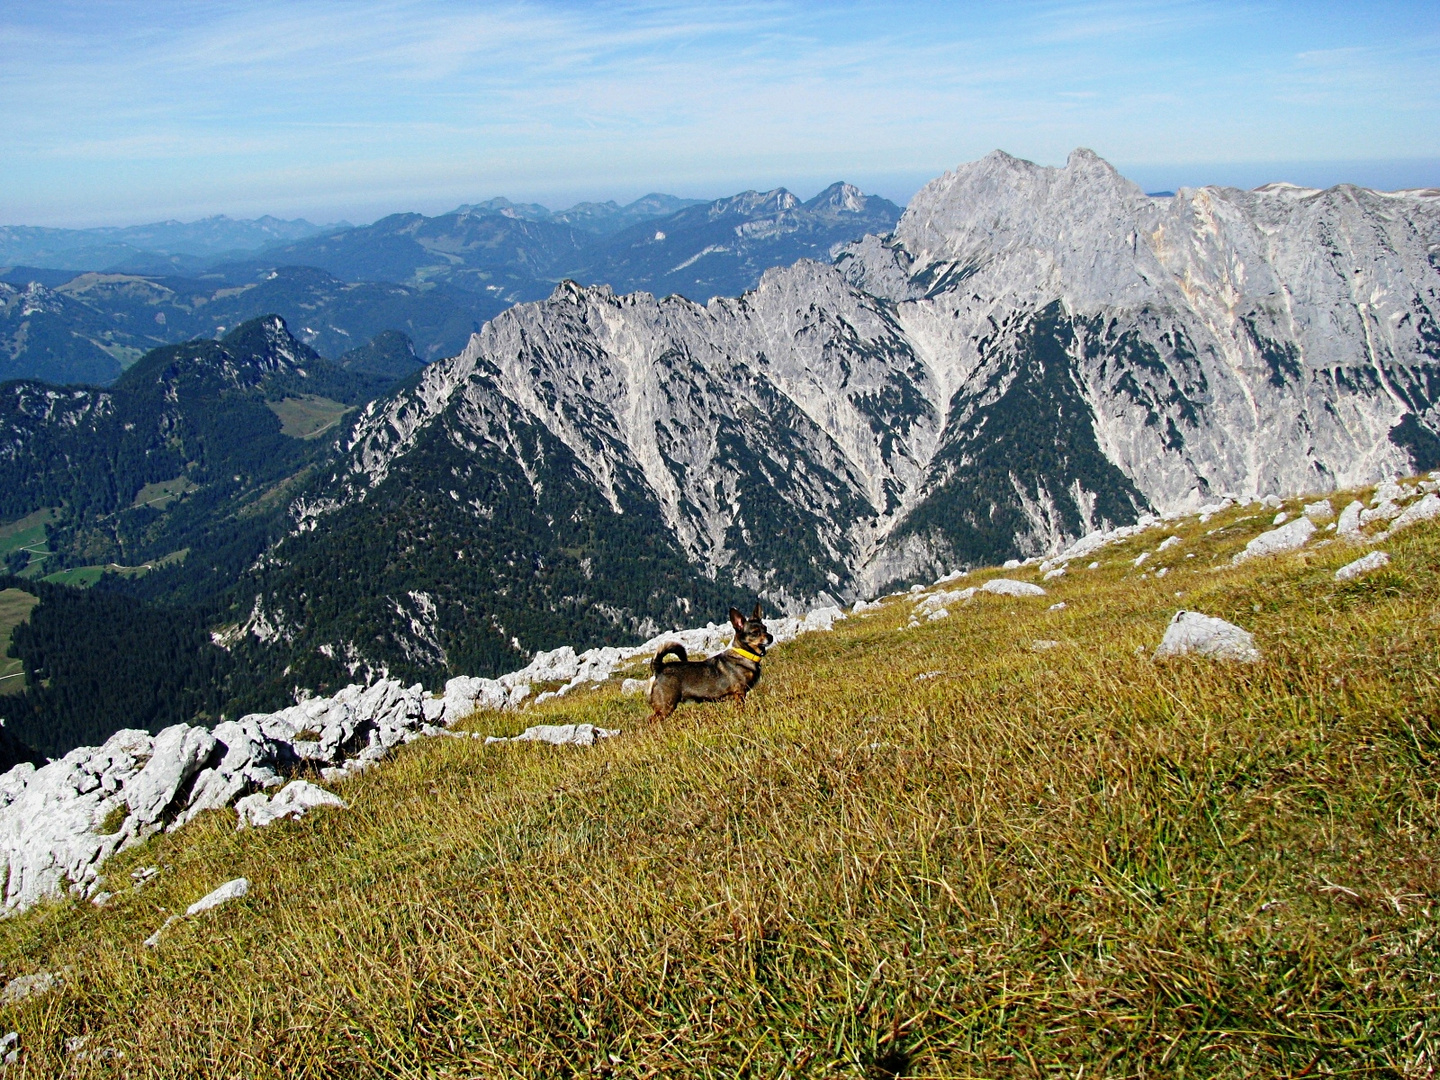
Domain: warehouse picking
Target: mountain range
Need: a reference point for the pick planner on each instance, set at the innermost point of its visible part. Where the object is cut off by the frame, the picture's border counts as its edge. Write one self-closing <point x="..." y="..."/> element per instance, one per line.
<point x="1029" y="355"/>
<point x="435" y="279"/>
<point x="160" y="247"/>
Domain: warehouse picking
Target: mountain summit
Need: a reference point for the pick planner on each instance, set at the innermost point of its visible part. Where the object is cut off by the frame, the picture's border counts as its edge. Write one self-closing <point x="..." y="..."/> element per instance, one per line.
<point x="1032" y="354"/>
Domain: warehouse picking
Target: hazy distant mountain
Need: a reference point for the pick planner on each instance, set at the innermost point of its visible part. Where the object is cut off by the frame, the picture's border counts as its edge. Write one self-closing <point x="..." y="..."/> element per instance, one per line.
<point x="607" y="218"/>
<point x="721" y="248"/>
<point x="90" y="327"/>
<point x="600" y="218"/>
<point x="434" y="279"/>
<point x="164" y="246"/>
<point x="518" y="252"/>
<point x="507" y="257"/>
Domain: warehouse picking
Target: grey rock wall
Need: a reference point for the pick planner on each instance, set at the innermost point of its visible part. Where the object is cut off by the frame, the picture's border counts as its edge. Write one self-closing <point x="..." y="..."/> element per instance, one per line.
<point x="1034" y="353"/>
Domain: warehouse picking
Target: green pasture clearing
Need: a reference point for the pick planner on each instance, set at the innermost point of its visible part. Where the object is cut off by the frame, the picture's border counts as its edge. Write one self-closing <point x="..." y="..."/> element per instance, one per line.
<point x="146" y="567"/>
<point x="28" y="533"/>
<point x="307" y="416"/>
<point x="1004" y="843"/>
<point x="80" y="576"/>
<point x="15" y="608"/>
<point x="125" y="355"/>
<point x="163" y="492"/>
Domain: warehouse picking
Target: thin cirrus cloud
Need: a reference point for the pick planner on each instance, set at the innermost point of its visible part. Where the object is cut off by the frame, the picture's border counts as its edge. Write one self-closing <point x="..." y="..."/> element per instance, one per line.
<point x="123" y="111"/>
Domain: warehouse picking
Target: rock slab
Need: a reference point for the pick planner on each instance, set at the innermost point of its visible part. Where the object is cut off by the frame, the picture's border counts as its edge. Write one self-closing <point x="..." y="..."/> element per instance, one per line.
<point x="1191" y="633"/>
<point x="1286" y="538"/>
<point x="560" y="735"/>
<point x="1362" y="566"/>
<point x="231" y="890"/>
<point x="294" y="800"/>
<point x="1010" y="587"/>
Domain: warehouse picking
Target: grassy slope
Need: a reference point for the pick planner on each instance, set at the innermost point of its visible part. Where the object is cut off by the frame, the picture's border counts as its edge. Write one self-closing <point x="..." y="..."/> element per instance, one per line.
<point x="15" y="608"/>
<point x="1033" y="861"/>
<point x="29" y="533"/>
<point x="307" y="416"/>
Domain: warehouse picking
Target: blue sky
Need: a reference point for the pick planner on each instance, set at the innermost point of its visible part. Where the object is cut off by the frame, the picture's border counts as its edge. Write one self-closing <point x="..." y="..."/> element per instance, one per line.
<point x="119" y="112"/>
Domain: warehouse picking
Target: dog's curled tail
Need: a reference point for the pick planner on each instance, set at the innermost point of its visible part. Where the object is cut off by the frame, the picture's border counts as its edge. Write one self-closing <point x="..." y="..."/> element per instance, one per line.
<point x="669" y="650"/>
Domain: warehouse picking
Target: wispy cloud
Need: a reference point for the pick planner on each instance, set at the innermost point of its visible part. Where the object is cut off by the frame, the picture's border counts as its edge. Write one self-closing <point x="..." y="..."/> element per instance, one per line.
<point x="118" y="109"/>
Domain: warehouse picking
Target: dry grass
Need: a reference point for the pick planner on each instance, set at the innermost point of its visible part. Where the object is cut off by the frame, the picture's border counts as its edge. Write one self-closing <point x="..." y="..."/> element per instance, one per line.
<point x="1029" y="863"/>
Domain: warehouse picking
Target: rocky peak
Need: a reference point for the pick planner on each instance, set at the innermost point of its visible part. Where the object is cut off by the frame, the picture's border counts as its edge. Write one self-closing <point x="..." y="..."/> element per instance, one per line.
<point x="839" y="197"/>
<point x="753" y="203"/>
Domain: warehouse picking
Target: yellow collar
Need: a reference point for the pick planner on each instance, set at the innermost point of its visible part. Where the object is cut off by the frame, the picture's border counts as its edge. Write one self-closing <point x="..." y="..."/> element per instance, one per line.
<point x="745" y="653"/>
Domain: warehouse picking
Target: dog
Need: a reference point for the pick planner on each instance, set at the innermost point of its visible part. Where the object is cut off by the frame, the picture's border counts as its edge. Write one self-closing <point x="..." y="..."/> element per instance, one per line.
<point x="730" y="674"/>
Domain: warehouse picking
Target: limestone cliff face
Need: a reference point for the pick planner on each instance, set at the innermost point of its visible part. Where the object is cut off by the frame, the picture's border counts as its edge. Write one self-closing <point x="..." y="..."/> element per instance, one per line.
<point x="1263" y="340"/>
<point x="1032" y="354"/>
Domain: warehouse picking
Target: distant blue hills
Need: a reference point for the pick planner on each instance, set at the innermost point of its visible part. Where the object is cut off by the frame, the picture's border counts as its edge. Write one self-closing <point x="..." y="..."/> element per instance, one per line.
<point x="81" y="305"/>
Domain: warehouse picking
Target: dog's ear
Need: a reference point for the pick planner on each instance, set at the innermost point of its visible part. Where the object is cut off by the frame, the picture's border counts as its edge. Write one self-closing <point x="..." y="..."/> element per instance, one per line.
<point x="757" y="611"/>
<point x="736" y="619"/>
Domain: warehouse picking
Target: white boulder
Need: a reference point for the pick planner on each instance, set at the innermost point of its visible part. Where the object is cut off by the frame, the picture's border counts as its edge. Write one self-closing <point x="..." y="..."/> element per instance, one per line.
<point x="1424" y="510"/>
<point x="466" y="694"/>
<point x="231" y="890"/>
<point x="1009" y="587"/>
<point x="560" y="735"/>
<point x="293" y="801"/>
<point x="1349" y="523"/>
<point x="1363" y="565"/>
<point x="940" y="601"/>
<point x="1384" y="511"/>
<point x="1387" y="491"/>
<point x="1190" y="632"/>
<point x="178" y="754"/>
<point x="1286" y="538"/>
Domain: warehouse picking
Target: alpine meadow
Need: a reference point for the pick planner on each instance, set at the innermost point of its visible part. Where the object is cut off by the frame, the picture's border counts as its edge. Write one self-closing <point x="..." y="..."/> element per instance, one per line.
<point x="756" y="598"/>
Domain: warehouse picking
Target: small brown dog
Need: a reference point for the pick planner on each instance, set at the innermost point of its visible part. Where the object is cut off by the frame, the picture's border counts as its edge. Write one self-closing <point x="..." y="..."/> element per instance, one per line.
<point x="731" y="674"/>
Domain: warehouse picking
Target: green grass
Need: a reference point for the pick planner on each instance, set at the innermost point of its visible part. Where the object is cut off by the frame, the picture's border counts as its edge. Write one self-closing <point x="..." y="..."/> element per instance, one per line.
<point x="81" y="577"/>
<point x="28" y="533"/>
<point x="1032" y="863"/>
<point x="307" y="416"/>
<point x="144" y="568"/>
<point x="163" y="492"/>
<point x="15" y="608"/>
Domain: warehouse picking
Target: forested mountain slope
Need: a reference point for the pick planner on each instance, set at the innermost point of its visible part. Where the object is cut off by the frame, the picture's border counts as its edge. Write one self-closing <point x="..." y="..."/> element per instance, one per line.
<point x="176" y="479"/>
